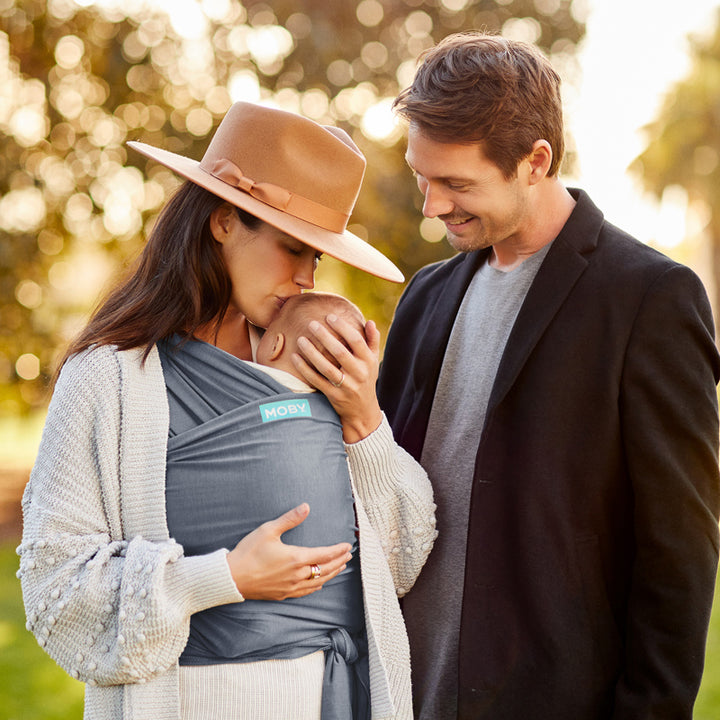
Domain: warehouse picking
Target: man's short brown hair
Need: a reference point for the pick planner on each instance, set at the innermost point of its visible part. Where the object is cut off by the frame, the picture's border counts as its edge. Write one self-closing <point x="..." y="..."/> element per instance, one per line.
<point x="478" y="88"/>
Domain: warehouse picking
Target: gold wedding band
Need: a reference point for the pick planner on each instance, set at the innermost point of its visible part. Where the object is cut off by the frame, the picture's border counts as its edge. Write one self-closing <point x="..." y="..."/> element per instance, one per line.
<point x="342" y="380"/>
<point x="314" y="572"/>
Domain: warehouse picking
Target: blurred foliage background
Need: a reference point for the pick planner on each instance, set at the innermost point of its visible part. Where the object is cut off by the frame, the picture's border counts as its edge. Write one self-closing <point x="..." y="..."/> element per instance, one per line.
<point x="79" y="78"/>
<point x="683" y="144"/>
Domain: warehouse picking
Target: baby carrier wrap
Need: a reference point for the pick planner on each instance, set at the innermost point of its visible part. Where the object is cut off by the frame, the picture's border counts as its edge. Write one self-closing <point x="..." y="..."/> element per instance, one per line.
<point x="243" y="450"/>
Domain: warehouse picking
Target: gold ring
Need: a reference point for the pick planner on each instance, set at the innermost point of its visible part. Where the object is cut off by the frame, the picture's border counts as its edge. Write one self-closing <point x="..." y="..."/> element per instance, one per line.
<point x="342" y="380"/>
<point x="314" y="572"/>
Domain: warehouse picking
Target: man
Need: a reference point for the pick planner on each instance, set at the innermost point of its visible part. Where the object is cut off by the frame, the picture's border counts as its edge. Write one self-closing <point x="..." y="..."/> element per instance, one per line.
<point x="557" y="380"/>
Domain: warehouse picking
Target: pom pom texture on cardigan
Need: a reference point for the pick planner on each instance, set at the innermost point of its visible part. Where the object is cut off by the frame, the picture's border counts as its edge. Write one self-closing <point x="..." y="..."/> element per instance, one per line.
<point x="108" y="594"/>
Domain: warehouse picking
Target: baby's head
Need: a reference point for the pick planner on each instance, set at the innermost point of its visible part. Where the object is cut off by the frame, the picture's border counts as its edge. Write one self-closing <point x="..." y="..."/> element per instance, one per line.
<point x="280" y="339"/>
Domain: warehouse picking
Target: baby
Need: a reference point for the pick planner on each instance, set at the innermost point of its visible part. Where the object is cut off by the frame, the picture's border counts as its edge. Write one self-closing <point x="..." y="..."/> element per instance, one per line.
<point x="279" y="342"/>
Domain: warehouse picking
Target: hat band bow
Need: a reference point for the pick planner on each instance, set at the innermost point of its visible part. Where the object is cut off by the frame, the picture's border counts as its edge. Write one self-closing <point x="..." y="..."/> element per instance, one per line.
<point x="280" y="198"/>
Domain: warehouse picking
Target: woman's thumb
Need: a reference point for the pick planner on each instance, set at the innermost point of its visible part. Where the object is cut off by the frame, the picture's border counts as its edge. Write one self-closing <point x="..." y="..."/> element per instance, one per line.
<point x="290" y="519"/>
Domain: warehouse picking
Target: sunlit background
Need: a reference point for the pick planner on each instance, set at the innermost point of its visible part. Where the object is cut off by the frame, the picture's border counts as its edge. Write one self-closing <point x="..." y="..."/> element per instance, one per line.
<point x="80" y="78"/>
<point x="633" y="55"/>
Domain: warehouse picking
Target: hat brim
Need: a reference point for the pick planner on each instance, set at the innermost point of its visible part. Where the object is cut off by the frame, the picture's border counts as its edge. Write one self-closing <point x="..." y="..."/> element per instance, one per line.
<point x="344" y="246"/>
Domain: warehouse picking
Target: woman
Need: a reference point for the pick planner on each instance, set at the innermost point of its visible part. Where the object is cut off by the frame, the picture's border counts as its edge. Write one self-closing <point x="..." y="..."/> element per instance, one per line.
<point x="131" y="458"/>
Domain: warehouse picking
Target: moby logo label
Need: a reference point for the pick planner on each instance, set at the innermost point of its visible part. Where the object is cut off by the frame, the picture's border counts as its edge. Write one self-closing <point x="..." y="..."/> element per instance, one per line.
<point x="284" y="410"/>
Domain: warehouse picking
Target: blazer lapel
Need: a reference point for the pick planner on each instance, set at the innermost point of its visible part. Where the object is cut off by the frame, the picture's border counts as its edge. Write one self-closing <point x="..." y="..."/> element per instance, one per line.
<point x="556" y="277"/>
<point x="565" y="263"/>
<point x="560" y="270"/>
<point x="439" y="323"/>
<point x="430" y="350"/>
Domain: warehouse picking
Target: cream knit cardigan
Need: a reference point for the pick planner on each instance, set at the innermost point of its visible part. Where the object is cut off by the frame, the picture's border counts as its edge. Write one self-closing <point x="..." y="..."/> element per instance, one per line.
<point x="109" y="595"/>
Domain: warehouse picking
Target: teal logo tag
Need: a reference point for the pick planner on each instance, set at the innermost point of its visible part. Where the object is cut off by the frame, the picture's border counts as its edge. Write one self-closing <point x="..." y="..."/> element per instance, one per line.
<point x="284" y="410"/>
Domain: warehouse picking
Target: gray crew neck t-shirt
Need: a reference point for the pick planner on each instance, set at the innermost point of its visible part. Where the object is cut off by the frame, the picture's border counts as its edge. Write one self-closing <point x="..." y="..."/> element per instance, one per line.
<point x="433" y="608"/>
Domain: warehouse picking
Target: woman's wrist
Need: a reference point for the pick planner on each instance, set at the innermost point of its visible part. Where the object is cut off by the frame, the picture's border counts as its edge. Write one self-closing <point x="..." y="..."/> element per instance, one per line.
<point x="357" y="429"/>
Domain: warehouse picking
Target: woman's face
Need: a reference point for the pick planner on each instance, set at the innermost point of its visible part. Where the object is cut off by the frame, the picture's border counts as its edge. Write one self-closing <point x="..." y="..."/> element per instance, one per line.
<point x="265" y="266"/>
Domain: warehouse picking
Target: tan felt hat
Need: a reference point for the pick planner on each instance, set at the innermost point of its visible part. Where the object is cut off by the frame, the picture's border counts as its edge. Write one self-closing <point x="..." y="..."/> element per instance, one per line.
<point x="300" y="177"/>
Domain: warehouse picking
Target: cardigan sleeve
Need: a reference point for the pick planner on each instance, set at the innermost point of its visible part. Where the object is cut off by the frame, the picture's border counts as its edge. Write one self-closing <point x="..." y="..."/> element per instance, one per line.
<point x="398" y="499"/>
<point x="668" y="405"/>
<point x="107" y="608"/>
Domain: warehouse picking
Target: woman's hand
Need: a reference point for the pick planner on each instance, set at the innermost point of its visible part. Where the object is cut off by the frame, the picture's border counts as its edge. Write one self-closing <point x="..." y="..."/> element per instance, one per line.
<point x="349" y="383"/>
<point x="264" y="568"/>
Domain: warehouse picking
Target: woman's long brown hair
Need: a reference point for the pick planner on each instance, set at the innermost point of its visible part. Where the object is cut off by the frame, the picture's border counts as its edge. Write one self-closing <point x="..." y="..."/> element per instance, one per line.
<point x="178" y="283"/>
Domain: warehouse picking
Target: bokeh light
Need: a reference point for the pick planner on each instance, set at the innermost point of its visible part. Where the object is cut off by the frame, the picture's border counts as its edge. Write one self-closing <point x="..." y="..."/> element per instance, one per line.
<point x="455" y="5"/>
<point x="314" y="104"/>
<point x="79" y="78"/>
<point x="269" y="44"/>
<point x="69" y="51"/>
<point x="28" y="125"/>
<point x="199" y="122"/>
<point x="50" y="243"/>
<point x="369" y="12"/>
<point x="29" y="294"/>
<point x="374" y="55"/>
<point x="419" y="24"/>
<point x="244" y="85"/>
<point x="339" y="72"/>
<point x="22" y="210"/>
<point x="27" y="366"/>
<point x="186" y="16"/>
<point x="433" y="230"/>
<point x="524" y="29"/>
<point x="379" y="123"/>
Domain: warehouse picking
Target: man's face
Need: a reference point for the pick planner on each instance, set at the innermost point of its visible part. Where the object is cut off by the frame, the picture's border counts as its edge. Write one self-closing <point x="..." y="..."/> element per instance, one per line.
<point x="470" y="194"/>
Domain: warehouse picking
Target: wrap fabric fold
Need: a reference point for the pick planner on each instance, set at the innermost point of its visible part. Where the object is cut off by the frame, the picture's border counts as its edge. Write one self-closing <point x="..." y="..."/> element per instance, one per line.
<point x="242" y="450"/>
<point x="346" y="670"/>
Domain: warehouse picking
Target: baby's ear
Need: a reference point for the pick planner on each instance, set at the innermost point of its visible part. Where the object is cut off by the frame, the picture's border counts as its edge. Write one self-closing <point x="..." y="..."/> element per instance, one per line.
<point x="278" y="345"/>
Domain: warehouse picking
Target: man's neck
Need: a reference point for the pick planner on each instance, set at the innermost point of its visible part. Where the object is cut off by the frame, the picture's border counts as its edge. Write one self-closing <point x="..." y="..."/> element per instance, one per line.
<point x="552" y="206"/>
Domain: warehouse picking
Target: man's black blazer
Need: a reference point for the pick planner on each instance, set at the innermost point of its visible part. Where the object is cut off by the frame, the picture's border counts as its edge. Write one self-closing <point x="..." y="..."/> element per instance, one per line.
<point x="593" y="536"/>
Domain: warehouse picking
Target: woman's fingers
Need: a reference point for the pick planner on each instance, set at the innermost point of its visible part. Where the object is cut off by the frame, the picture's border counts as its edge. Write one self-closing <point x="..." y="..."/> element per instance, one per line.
<point x="346" y="376"/>
<point x="265" y="568"/>
<point x="313" y="365"/>
<point x="344" y="335"/>
<point x="338" y="356"/>
<point x="327" y="571"/>
<point x="372" y="334"/>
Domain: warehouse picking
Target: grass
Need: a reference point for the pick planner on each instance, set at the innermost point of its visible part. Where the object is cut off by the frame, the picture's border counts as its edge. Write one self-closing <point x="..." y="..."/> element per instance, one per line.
<point x="707" y="706"/>
<point x="33" y="687"/>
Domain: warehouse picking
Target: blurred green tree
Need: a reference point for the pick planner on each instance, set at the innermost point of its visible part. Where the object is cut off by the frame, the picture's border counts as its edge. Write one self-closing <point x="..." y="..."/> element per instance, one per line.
<point x="80" y="77"/>
<point x="683" y="143"/>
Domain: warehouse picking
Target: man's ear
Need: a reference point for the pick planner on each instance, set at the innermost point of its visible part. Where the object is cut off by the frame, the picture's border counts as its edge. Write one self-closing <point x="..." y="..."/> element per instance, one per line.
<point x="539" y="161"/>
<point x="221" y="221"/>
<point x="278" y="345"/>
